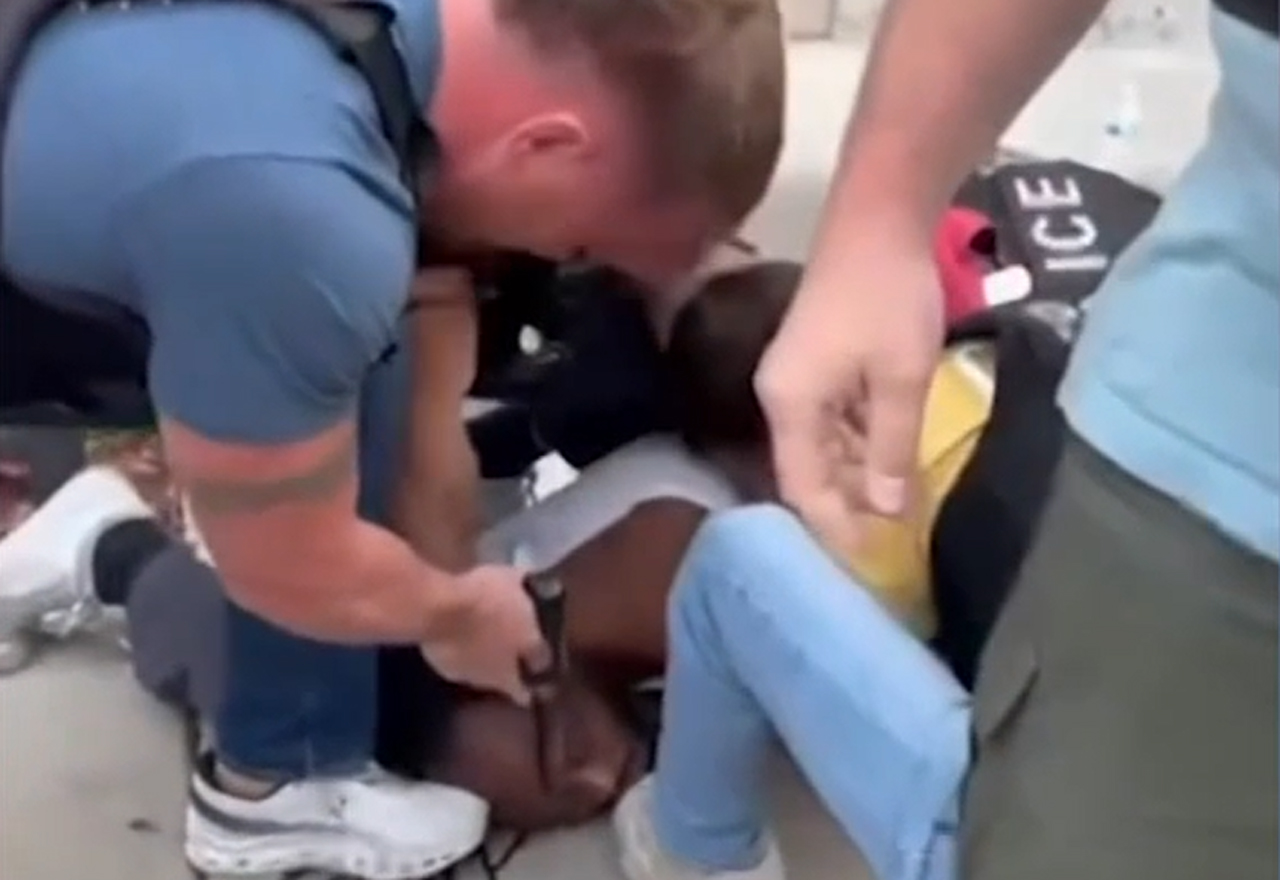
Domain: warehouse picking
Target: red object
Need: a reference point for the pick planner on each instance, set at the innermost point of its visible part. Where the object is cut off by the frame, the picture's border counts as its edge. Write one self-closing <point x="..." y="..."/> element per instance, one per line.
<point x="964" y="250"/>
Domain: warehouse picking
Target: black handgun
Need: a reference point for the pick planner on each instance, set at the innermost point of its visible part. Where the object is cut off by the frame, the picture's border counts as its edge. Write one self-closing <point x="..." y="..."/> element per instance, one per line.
<point x="547" y="592"/>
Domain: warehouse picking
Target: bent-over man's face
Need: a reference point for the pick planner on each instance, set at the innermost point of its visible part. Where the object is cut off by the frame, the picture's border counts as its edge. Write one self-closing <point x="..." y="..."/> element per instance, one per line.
<point x="555" y="188"/>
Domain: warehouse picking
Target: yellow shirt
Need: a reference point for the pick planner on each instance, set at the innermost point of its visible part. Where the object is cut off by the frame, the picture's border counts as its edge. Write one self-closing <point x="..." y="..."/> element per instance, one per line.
<point x="893" y="559"/>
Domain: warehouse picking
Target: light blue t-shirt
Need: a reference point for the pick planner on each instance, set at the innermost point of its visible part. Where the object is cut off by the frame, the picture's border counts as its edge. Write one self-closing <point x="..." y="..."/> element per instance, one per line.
<point x="1177" y="374"/>
<point x="218" y="170"/>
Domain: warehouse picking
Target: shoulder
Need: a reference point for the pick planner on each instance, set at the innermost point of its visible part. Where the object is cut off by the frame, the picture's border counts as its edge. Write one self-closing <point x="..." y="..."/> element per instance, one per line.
<point x="284" y="278"/>
<point x="170" y="84"/>
<point x="288" y="224"/>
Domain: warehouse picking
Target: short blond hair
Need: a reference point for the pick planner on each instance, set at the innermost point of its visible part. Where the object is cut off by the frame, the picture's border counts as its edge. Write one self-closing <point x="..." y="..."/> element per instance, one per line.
<point x="707" y="77"/>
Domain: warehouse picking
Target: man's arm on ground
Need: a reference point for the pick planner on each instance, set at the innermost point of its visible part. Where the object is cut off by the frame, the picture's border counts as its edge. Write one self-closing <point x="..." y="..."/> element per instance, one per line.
<point x="271" y="286"/>
<point x="438" y="507"/>
<point x="944" y="81"/>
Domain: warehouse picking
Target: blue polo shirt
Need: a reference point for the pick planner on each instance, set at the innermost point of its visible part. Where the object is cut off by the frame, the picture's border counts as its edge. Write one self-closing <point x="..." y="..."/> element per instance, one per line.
<point x="216" y="169"/>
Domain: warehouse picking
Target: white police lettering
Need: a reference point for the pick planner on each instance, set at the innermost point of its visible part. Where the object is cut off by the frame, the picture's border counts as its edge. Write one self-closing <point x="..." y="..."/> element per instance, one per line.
<point x="1065" y="235"/>
<point x="1079" y="232"/>
<point x="1045" y="197"/>
<point x="1081" y="263"/>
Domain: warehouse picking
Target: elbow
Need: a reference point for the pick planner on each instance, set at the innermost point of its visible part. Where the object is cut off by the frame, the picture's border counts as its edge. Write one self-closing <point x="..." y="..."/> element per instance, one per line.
<point x="280" y="601"/>
<point x="275" y="602"/>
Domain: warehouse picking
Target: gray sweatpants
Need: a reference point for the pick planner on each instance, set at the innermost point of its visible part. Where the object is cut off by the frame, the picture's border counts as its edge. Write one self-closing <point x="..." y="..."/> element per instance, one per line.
<point x="176" y="612"/>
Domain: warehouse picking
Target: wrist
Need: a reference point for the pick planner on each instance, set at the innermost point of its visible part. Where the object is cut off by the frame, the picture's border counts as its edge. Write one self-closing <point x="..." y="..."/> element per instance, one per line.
<point x="446" y="608"/>
<point x="882" y="193"/>
<point x="866" y="226"/>
<point x="442" y="535"/>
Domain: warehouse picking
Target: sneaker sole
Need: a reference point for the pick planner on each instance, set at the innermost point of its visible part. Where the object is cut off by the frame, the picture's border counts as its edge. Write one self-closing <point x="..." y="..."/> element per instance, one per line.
<point x="211" y="850"/>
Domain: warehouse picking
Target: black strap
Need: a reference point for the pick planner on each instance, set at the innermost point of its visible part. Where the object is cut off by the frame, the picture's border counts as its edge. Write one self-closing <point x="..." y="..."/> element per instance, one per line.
<point x="986" y="524"/>
<point x="360" y="34"/>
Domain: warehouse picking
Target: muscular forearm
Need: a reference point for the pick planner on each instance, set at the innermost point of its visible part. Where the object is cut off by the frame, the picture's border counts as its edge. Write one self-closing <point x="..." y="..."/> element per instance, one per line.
<point x="360" y="585"/>
<point x="943" y="82"/>
<point x="438" y="509"/>
<point x="438" y="499"/>
<point x="437" y="504"/>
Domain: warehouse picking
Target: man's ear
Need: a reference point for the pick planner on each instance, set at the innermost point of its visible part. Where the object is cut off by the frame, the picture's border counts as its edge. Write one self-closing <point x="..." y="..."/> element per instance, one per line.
<point x="551" y="133"/>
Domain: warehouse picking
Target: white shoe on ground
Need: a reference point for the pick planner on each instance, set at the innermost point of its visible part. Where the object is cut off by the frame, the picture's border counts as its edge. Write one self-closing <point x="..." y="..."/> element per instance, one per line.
<point x="374" y="826"/>
<point x="643" y="857"/>
<point x="46" y="563"/>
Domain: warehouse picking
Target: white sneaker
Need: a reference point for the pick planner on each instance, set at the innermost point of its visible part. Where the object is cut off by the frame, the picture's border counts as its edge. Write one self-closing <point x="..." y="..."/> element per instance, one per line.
<point x="46" y="562"/>
<point x="643" y="857"/>
<point x="375" y="826"/>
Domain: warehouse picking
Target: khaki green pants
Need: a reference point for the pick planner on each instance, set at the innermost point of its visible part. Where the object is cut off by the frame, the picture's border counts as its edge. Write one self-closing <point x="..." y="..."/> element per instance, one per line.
<point x="1126" y="707"/>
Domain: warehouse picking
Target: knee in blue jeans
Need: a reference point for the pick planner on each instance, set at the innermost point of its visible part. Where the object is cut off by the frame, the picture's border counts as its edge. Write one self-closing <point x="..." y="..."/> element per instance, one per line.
<point x="744" y="532"/>
<point x="740" y="544"/>
<point x="740" y="559"/>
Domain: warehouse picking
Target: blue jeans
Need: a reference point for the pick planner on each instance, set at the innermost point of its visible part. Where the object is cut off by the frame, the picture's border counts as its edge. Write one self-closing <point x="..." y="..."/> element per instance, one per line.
<point x="292" y="707"/>
<point x="770" y="638"/>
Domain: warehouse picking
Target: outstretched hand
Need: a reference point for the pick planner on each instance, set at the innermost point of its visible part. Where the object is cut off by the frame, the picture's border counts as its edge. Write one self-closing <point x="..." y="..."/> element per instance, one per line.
<point x="844" y="386"/>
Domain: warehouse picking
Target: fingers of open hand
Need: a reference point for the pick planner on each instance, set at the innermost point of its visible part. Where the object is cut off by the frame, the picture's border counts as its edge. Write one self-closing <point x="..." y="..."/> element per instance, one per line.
<point x="533" y="661"/>
<point x="843" y="453"/>
<point x="590" y="755"/>
<point x="845" y="396"/>
<point x="794" y="413"/>
<point x="819" y="462"/>
<point x="833" y="511"/>
<point x="897" y="394"/>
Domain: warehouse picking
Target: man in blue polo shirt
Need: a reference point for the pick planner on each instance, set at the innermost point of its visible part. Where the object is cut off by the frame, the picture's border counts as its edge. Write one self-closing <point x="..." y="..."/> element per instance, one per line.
<point x="216" y="171"/>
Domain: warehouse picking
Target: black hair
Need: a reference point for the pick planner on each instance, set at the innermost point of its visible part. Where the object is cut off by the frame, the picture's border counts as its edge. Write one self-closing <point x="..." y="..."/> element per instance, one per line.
<point x="716" y="342"/>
